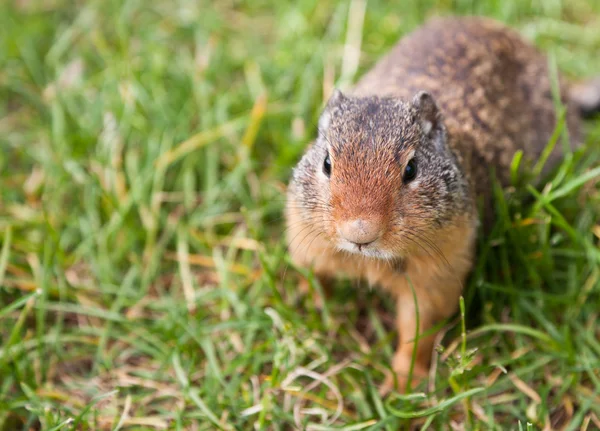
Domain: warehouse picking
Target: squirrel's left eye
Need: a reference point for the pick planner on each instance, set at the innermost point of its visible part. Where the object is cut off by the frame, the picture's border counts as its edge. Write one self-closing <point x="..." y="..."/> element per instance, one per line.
<point x="327" y="166"/>
<point x="410" y="172"/>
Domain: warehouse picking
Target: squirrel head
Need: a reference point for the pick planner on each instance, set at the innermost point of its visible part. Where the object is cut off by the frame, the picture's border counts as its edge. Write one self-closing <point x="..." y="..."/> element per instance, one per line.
<point x="380" y="178"/>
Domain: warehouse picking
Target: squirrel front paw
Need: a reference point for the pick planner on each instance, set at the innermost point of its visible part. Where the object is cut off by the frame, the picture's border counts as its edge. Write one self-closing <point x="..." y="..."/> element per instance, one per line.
<point x="399" y="378"/>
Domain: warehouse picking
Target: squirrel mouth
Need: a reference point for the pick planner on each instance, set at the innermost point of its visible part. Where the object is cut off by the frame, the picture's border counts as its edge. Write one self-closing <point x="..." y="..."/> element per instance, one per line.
<point x="367" y="249"/>
<point x="361" y="245"/>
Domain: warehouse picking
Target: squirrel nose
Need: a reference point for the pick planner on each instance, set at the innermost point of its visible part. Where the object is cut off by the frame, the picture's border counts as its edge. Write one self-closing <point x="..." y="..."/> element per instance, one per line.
<point x="360" y="231"/>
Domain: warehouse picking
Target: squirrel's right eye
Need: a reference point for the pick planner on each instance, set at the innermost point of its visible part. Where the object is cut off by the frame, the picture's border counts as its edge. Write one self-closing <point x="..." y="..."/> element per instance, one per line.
<point x="410" y="172"/>
<point x="327" y="166"/>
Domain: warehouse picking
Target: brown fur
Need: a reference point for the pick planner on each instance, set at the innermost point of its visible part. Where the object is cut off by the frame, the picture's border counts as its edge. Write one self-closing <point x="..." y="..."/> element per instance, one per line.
<point x="491" y="97"/>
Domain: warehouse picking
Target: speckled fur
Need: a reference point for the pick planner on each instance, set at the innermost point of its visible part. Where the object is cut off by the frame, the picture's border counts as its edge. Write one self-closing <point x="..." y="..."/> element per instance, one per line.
<point x="491" y="96"/>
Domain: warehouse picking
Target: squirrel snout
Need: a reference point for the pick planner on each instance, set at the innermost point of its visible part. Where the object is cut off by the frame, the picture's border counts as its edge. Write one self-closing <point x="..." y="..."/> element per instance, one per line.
<point x="360" y="231"/>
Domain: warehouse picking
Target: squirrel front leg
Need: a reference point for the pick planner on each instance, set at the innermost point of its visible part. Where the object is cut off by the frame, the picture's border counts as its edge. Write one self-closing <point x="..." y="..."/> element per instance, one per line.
<point x="431" y="311"/>
<point x="437" y="285"/>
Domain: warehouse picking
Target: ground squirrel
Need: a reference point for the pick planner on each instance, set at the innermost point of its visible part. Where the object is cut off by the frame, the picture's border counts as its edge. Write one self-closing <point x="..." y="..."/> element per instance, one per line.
<point x="387" y="192"/>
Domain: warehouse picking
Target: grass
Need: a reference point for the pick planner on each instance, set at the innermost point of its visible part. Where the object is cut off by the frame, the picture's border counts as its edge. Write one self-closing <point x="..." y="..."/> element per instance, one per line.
<point x="144" y="282"/>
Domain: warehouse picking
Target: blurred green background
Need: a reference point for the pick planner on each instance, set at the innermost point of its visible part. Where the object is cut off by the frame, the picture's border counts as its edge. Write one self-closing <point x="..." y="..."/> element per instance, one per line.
<point x="144" y="284"/>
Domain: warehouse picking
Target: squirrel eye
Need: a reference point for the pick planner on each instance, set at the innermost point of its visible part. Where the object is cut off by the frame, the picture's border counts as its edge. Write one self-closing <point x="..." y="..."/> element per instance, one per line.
<point x="327" y="166"/>
<point x="410" y="172"/>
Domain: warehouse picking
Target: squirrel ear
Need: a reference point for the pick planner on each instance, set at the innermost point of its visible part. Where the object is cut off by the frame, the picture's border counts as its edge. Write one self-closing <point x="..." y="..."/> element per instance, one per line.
<point x="428" y="114"/>
<point x="336" y="99"/>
